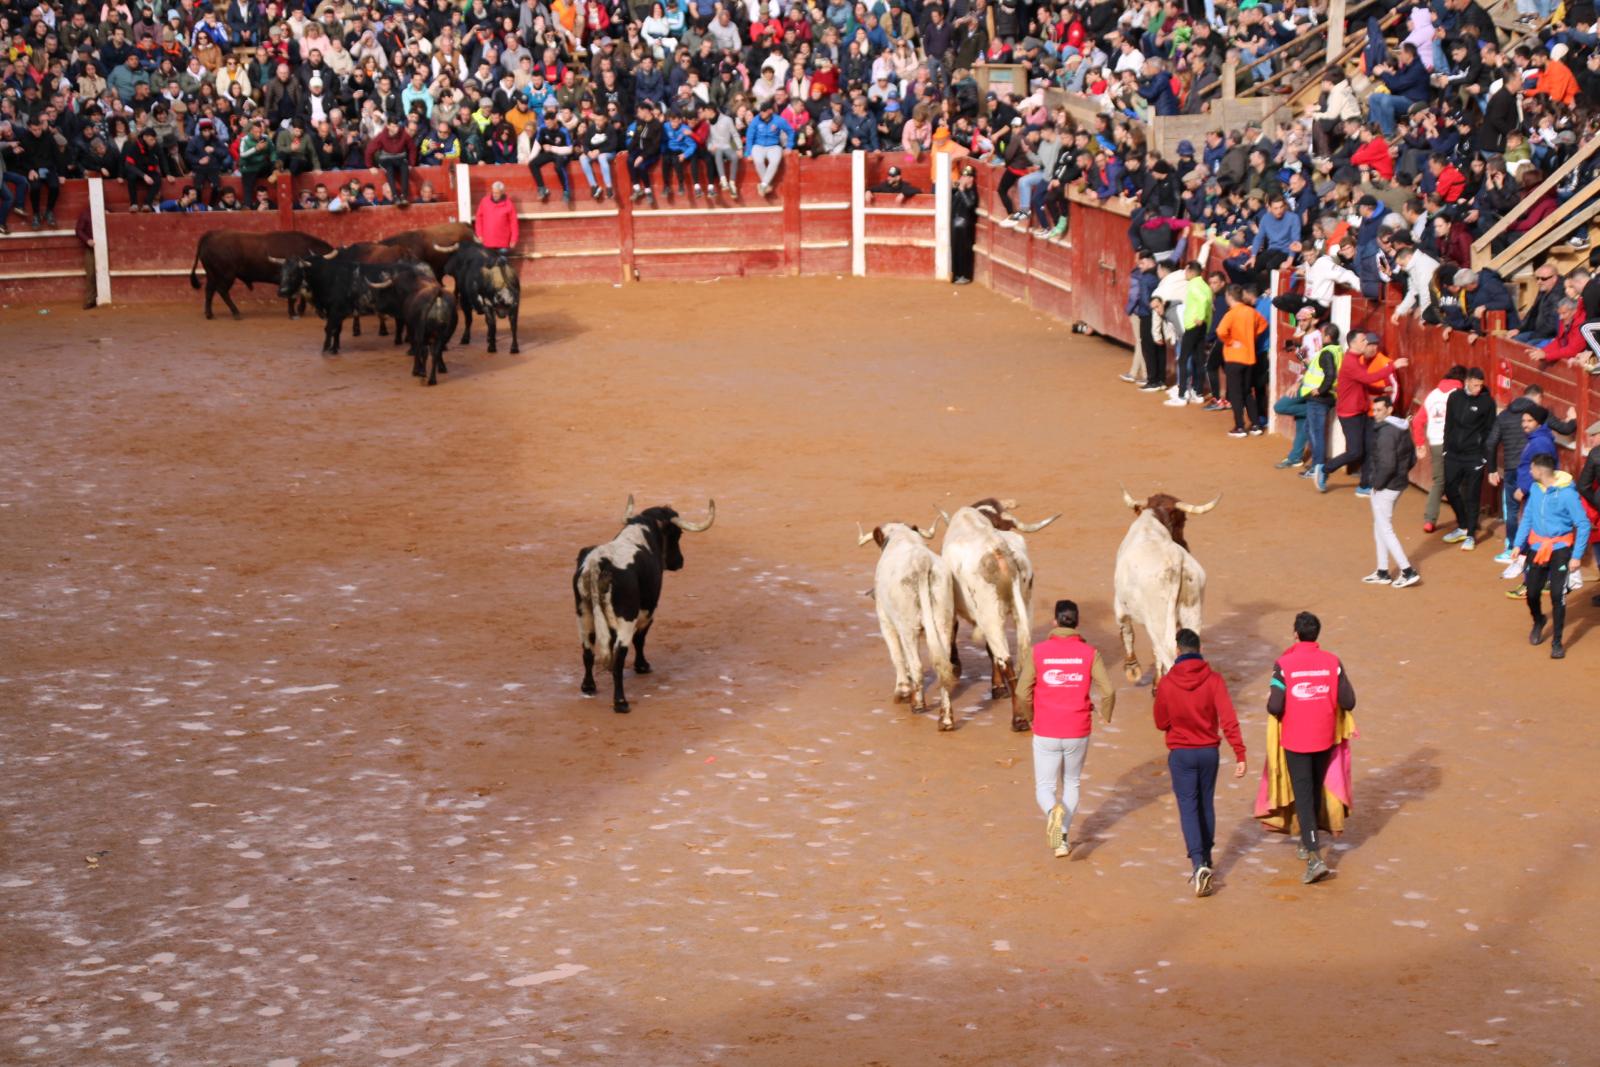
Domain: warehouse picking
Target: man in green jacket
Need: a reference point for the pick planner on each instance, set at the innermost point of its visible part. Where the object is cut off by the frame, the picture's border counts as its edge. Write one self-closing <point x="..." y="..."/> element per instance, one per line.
<point x="1197" y="300"/>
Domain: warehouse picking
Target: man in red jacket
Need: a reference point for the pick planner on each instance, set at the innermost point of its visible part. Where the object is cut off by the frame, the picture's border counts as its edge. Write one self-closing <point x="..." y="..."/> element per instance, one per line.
<point x="1192" y="705"/>
<point x="1358" y="375"/>
<point x="496" y="221"/>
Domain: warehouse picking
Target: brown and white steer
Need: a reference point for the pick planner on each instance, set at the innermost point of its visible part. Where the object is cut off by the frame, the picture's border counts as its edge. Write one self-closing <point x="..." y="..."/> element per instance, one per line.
<point x="988" y="561"/>
<point x="1157" y="582"/>
<point x="915" y="598"/>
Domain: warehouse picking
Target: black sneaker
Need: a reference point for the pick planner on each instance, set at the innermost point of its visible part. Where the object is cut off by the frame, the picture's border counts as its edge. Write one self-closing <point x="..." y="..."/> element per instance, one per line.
<point x="1152" y="387"/>
<point x="1408" y="577"/>
<point x="544" y="194"/>
<point x="1536" y="635"/>
<point x="49" y="218"/>
<point x="1379" y="577"/>
<point x="36" y="222"/>
<point x="1557" y="649"/>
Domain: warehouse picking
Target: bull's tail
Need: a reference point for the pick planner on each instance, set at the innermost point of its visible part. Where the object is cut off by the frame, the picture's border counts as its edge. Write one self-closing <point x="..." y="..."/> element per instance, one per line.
<point x="937" y="620"/>
<point x="594" y="588"/>
<point x="200" y="246"/>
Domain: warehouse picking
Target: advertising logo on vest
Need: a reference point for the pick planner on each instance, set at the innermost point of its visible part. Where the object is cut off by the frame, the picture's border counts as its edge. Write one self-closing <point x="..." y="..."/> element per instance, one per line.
<point x="1309" y="690"/>
<point x="1055" y="677"/>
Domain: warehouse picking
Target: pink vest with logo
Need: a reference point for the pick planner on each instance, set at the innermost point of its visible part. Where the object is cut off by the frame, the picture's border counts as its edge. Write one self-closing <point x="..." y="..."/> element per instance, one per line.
<point x="1310" y="697"/>
<point x="1061" y="707"/>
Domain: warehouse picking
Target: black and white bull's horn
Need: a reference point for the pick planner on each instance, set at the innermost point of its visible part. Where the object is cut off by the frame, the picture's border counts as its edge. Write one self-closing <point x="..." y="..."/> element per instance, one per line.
<point x="627" y="512"/>
<point x="446" y="249"/>
<point x="1199" y="509"/>
<point x="1126" y="499"/>
<point x="862" y="537"/>
<point x="1030" y="527"/>
<point x="388" y="280"/>
<point x="330" y="254"/>
<point x="698" y="527"/>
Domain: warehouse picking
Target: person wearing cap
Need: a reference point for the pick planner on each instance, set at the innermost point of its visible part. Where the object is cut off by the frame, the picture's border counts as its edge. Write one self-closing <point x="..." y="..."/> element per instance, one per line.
<point x="765" y="141"/>
<point x="555" y="150"/>
<point x="1554" y="531"/>
<point x="1057" y="689"/>
<point x="1194" y="712"/>
<point x="208" y="157"/>
<point x="963" y="225"/>
<point x="893" y="185"/>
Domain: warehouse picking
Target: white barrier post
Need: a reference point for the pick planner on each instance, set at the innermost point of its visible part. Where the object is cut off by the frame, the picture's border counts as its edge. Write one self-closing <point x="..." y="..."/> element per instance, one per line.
<point x="858" y="214"/>
<point x="463" y="193"/>
<point x="941" y="216"/>
<point x="102" y="256"/>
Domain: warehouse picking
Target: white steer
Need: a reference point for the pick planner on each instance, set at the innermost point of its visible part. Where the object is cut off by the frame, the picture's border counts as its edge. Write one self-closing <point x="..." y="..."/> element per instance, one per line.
<point x="988" y="560"/>
<point x="1158" y="583"/>
<point x="915" y="598"/>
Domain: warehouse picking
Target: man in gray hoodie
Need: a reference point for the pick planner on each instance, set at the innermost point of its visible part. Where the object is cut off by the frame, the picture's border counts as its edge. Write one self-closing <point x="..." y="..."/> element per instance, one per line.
<point x="1392" y="457"/>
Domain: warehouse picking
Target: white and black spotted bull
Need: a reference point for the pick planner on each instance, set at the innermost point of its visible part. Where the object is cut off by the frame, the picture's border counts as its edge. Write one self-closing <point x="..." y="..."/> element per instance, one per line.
<point x="618" y="585"/>
<point x="486" y="282"/>
<point x="915" y="598"/>
<point x="1158" y="584"/>
<point x="988" y="561"/>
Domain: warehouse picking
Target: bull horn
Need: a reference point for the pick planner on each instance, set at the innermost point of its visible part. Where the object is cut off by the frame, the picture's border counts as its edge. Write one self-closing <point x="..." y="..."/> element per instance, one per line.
<point x="1199" y="509"/>
<point x="698" y="527"/>
<point x="276" y="261"/>
<point x="446" y="249"/>
<point x="861" y="537"/>
<point x="1033" y="527"/>
<point x="928" y="534"/>
<point x="387" y="281"/>
<point x="942" y="515"/>
<point x="1127" y="500"/>
<point x="330" y="254"/>
<point x="627" y="512"/>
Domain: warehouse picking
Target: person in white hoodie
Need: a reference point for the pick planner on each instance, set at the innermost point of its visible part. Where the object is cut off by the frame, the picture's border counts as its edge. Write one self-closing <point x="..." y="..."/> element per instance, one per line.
<point x="1427" y="433"/>
<point x="1419" y="269"/>
<point x="1170" y="291"/>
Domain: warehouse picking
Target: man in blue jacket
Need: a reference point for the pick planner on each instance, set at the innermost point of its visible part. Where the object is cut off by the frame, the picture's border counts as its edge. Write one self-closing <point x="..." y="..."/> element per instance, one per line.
<point x="1553" y="522"/>
<point x="768" y="137"/>
<point x="1407" y="84"/>
<point x="1372" y="213"/>
<point x="1156" y="87"/>
<point x="1141" y="287"/>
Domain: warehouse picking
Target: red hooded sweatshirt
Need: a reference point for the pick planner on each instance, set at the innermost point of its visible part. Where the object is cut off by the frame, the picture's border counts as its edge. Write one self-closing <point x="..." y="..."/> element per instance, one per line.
<point x="1192" y="706"/>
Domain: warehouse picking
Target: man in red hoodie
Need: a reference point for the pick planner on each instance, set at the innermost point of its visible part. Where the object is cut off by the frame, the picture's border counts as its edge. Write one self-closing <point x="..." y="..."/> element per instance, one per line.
<point x="1192" y="706"/>
<point x="1357" y="376"/>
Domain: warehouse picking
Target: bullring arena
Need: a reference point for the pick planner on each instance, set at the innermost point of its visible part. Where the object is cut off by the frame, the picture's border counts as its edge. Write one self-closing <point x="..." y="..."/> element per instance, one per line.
<point x="297" y="770"/>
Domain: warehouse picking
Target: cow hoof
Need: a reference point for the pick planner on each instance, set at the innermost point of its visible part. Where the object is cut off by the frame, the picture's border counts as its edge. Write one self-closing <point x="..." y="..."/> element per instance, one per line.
<point x="1020" y="726"/>
<point x="998" y="692"/>
<point x="620" y="707"/>
<point x="918" y="707"/>
<point x="209" y="315"/>
<point x="901" y="698"/>
<point x="587" y="688"/>
<point x="1133" y="672"/>
<point x="641" y="668"/>
<point x="946" y="723"/>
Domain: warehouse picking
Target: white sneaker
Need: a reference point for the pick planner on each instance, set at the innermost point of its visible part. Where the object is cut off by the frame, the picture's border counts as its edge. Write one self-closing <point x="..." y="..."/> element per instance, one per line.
<point x="1379" y="578"/>
<point x="1574" y="581"/>
<point x="1514" y="569"/>
<point x="1175" y="402"/>
<point x="1173" y="393"/>
<point x="1194" y="397"/>
<point x="1126" y="378"/>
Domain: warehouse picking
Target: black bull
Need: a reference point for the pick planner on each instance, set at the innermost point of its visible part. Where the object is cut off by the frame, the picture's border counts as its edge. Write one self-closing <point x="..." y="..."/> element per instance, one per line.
<point x="487" y="283"/>
<point x="239" y="255"/>
<point x="341" y="288"/>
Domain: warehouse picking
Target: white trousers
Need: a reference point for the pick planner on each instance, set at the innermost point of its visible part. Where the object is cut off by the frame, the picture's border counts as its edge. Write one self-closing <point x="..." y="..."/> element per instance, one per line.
<point x="1058" y="764"/>
<point x="1383" y="534"/>
<point x="767" y="159"/>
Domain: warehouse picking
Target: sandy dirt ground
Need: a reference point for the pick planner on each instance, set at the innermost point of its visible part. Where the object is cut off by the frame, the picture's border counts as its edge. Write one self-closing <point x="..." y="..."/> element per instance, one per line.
<point x="294" y="769"/>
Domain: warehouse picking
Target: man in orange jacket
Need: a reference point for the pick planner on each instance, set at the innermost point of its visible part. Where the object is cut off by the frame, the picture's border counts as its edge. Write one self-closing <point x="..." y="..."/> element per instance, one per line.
<point x="1240" y="326"/>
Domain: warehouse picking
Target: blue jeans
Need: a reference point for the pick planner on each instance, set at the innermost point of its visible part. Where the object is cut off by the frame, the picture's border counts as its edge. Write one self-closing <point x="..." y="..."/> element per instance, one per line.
<point x="1295" y="407"/>
<point x="1194" y="785"/>
<point x="1384" y="109"/>
<point x="8" y="199"/>
<point x="603" y="165"/>
<point x="1512" y="507"/>
<point x="1028" y="186"/>
<point x="1317" y="430"/>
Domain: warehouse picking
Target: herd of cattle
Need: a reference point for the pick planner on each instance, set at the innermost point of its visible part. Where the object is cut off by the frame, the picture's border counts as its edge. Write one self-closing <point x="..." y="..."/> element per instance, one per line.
<point x="983" y="575"/>
<point x="398" y="278"/>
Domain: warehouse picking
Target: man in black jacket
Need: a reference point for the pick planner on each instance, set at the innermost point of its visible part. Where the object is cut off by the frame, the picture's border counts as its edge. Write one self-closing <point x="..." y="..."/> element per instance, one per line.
<point x="1503" y="114"/>
<point x="1541" y="321"/>
<point x="1468" y="420"/>
<point x="42" y="160"/>
<point x="1392" y="458"/>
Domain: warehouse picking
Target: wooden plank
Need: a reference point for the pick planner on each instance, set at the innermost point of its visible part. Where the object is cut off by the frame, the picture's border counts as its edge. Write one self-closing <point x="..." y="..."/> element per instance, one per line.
<point x="1552" y="228"/>
<point x="1481" y="245"/>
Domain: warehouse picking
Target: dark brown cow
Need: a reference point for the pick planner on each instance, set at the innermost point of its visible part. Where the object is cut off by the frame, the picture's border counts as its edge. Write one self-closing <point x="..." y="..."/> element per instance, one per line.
<point x="239" y="255"/>
<point x="433" y="245"/>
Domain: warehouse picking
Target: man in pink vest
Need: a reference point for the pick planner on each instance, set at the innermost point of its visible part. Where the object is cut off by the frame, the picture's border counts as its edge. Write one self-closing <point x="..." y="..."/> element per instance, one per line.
<point x="1309" y="687"/>
<point x="1053" y="694"/>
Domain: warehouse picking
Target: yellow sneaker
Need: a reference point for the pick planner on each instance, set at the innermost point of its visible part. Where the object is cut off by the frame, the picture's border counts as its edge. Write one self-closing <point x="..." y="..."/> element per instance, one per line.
<point x="1052" y="829"/>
